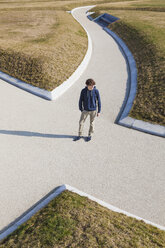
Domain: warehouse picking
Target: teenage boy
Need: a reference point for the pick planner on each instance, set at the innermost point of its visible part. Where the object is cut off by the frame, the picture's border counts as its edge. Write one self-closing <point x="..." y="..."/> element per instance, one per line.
<point x="88" y="103"/>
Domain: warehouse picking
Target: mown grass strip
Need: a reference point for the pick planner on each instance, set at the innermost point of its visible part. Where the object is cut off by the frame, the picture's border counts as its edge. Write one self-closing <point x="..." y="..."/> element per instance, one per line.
<point x="71" y="220"/>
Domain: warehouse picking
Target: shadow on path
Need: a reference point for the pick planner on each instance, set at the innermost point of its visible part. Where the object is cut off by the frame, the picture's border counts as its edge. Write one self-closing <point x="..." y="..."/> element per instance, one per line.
<point x="34" y="134"/>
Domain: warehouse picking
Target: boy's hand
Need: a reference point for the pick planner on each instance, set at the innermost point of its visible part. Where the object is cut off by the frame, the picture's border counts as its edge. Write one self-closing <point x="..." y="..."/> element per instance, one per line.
<point x="98" y="114"/>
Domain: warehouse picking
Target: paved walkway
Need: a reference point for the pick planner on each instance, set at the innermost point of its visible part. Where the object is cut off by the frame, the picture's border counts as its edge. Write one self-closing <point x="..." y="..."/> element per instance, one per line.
<point x="123" y="167"/>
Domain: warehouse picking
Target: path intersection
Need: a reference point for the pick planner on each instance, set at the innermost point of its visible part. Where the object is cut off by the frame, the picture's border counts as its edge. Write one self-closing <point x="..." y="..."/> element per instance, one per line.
<point x="120" y="166"/>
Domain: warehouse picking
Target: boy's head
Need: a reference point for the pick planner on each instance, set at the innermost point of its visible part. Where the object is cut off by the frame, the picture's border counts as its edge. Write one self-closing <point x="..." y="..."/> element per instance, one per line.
<point x="90" y="83"/>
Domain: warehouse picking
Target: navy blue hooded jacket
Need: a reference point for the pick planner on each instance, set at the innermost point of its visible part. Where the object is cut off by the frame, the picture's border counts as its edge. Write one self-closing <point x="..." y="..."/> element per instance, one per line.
<point x="89" y="99"/>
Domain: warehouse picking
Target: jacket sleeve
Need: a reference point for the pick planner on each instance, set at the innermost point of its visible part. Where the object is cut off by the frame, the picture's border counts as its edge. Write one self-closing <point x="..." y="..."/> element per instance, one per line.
<point x="99" y="101"/>
<point x="81" y="102"/>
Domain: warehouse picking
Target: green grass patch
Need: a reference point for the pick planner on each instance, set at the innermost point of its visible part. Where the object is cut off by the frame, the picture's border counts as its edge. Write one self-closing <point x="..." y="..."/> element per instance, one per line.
<point x="71" y="220"/>
<point x="144" y="34"/>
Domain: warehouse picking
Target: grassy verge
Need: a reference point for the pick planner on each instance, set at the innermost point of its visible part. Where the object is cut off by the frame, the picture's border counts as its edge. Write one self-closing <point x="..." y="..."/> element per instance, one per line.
<point x="40" y="43"/>
<point x="143" y="32"/>
<point x="74" y="221"/>
<point x="42" y="47"/>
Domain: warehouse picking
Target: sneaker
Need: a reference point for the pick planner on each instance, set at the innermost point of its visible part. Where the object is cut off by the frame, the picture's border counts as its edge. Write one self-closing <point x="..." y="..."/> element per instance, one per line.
<point x="88" y="138"/>
<point x="77" y="138"/>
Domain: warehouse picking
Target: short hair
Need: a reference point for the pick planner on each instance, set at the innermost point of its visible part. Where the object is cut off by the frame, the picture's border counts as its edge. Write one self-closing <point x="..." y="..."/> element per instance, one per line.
<point x="90" y="82"/>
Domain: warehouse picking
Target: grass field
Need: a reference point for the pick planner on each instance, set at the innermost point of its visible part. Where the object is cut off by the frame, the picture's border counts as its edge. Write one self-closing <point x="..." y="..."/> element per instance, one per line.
<point x="40" y="43"/>
<point x="71" y="220"/>
<point x="141" y="26"/>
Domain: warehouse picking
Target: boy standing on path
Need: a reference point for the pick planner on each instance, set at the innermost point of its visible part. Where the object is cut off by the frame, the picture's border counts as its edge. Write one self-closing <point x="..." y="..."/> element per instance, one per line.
<point x="88" y="103"/>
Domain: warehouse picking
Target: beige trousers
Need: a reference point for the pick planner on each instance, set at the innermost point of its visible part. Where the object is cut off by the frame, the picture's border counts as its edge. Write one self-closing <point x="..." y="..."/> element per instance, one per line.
<point x="83" y="117"/>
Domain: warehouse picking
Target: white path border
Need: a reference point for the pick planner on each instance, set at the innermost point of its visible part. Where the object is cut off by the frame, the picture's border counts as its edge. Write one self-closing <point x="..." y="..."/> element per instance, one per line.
<point x="44" y="201"/>
<point x="54" y="94"/>
<point x="124" y="119"/>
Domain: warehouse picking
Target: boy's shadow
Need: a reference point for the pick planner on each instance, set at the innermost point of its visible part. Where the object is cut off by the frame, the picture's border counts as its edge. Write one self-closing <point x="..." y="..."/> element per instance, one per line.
<point x="35" y="134"/>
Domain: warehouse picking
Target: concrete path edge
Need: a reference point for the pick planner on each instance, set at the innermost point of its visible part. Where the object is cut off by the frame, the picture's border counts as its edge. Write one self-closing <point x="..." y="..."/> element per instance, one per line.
<point x="54" y="193"/>
<point x="124" y="119"/>
<point x="54" y="94"/>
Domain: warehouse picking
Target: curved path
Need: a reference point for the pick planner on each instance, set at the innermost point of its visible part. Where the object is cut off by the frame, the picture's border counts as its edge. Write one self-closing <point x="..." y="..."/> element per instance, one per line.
<point x="120" y="166"/>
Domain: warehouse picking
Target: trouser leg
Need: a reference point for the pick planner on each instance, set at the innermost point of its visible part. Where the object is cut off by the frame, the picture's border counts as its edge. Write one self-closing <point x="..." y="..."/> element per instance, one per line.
<point x="92" y="118"/>
<point x="83" y="117"/>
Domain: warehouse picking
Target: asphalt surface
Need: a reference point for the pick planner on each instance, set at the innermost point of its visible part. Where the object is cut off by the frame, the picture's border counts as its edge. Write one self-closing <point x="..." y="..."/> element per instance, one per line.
<point x="120" y="166"/>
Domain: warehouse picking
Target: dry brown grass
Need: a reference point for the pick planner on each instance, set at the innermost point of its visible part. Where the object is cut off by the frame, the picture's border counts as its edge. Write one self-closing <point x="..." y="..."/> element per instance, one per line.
<point x="143" y="32"/>
<point x="41" y="47"/>
<point x="74" y="221"/>
<point x="144" y="5"/>
<point x="40" y="43"/>
<point x="149" y="103"/>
